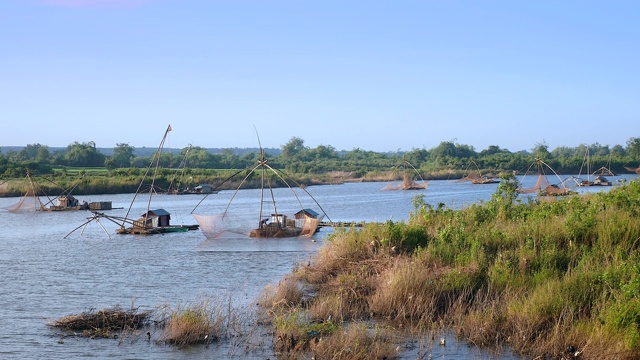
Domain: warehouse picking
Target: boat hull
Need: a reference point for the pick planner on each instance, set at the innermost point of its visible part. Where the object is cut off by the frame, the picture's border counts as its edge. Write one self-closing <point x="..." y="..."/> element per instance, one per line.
<point x="156" y="230"/>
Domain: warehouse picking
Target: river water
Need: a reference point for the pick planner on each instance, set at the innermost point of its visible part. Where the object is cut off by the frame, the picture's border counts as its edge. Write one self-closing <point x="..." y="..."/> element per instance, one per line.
<point x="46" y="276"/>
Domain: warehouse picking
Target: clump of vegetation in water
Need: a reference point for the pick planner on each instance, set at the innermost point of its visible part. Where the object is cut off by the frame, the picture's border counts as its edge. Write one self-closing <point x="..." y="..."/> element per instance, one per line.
<point x="201" y="322"/>
<point x="553" y="278"/>
<point x="206" y="320"/>
<point x="104" y="323"/>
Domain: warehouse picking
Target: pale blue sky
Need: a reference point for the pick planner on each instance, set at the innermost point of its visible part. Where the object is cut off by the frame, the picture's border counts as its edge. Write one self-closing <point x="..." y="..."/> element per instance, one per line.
<point x="374" y="75"/>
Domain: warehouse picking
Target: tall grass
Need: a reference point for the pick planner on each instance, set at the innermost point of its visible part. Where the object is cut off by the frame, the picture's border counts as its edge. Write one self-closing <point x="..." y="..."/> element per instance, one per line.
<point x="200" y="322"/>
<point x="542" y="277"/>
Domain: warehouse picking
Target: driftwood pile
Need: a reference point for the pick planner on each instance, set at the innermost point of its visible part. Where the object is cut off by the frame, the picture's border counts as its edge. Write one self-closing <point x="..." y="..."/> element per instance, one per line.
<point x="104" y="322"/>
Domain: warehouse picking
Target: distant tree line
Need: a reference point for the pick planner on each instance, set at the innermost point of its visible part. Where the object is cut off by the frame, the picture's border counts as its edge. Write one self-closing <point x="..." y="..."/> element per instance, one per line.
<point x="296" y="157"/>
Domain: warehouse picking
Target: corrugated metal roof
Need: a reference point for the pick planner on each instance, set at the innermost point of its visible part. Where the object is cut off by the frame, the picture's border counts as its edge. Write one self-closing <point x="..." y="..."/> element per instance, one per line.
<point x="309" y="212"/>
<point x="158" y="212"/>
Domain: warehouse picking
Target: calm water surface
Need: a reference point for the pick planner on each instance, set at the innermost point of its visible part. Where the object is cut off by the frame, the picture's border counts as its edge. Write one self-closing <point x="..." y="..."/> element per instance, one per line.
<point x="46" y="277"/>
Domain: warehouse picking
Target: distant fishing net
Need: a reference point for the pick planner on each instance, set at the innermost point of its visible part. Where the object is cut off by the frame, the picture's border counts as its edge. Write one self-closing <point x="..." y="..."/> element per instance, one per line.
<point x="212" y="226"/>
<point x="407" y="184"/>
<point x="29" y="202"/>
<point x="470" y="177"/>
<point x="541" y="184"/>
<point x="554" y="190"/>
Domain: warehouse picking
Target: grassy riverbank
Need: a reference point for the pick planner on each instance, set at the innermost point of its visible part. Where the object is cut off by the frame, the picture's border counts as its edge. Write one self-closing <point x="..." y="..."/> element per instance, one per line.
<point x="100" y="181"/>
<point x="121" y="183"/>
<point x="556" y="278"/>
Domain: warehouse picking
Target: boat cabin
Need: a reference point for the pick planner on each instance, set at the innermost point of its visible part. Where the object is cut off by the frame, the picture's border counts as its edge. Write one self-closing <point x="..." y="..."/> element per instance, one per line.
<point x="67" y="201"/>
<point x="306" y="212"/>
<point x="153" y="219"/>
<point x="279" y="219"/>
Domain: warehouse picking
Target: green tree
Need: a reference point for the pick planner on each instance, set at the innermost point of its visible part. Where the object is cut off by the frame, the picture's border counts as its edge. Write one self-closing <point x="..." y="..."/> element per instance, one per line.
<point x="84" y="155"/>
<point x="199" y="157"/>
<point x="491" y="150"/>
<point x="541" y="150"/>
<point x="618" y="150"/>
<point x="293" y="148"/>
<point x="633" y="147"/>
<point x="122" y="157"/>
<point x="506" y="193"/>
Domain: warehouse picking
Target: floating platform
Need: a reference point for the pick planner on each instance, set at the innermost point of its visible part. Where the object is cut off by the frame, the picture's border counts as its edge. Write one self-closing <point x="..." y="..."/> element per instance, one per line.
<point x="156" y="230"/>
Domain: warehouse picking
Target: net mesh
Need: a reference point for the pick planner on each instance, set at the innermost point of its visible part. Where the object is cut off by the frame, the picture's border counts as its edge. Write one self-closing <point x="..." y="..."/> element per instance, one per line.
<point x="635" y="170"/>
<point x="214" y="226"/>
<point x="543" y="187"/>
<point x="468" y="178"/>
<point x="211" y="226"/>
<point x="407" y="184"/>
<point x="310" y="226"/>
<point x="554" y="190"/>
<point x="29" y="202"/>
<point x="540" y="184"/>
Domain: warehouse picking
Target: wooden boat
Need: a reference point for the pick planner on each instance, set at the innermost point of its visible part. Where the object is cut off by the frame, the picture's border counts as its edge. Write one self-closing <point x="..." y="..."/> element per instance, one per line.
<point x="196" y="190"/>
<point x="64" y="201"/>
<point x="155" y="221"/>
<point x="303" y="223"/>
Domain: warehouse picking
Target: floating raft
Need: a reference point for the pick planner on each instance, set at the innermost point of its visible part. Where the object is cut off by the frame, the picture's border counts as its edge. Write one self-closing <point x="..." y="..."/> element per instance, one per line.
<point x="156" y="230"/>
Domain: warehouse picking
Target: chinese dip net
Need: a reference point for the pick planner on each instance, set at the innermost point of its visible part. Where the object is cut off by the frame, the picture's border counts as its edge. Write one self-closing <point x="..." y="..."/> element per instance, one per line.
<point x="407" y="184"/>
<point x="212" y="226"/>
<point x="541" y="184"/>
<point x="29" y="202"/>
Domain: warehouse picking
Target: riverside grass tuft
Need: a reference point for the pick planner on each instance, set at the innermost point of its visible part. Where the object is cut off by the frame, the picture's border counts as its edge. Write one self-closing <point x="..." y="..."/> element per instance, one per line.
<point x="203" y="321"/>
<point x="541" y="277"/>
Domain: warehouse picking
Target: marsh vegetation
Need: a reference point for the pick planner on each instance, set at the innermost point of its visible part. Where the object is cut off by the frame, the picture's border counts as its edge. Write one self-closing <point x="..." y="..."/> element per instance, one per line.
<point x="553" y="278"/>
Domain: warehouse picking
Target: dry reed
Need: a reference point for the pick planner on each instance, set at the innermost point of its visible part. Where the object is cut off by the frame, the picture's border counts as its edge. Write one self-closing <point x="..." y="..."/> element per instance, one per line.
<point x="203" y="321"/>
<point x="104" y="323"/>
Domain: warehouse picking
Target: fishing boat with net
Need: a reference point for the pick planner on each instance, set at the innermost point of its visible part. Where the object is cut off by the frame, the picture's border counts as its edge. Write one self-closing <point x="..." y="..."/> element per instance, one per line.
<point x="599" y="175"/>
<point x="65" y="201"/>
<point x="542" y="186"/>
<point x="410" y="175"/>
<point x="152" y="221"/>
<point x="271" y="220"/>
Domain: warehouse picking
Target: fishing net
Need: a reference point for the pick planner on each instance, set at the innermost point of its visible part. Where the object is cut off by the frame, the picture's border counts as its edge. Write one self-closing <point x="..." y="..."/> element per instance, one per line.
<point x="554" y="190"/>
<point x="470" y="177"/>
<point x="540" y="184"/>
<point x="407" y="184"/>
<point x="543" y="187"/>
<point x="635" y="170"/>
<point x="310" y="225"/>
<point x="29" y="202"/>
<point x="212" y="226"/>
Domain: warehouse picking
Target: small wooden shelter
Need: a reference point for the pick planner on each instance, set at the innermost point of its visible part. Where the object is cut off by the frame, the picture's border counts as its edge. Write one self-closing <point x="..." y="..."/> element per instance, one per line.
<point x="308" y="212"/>
<point x="153" y="219"/>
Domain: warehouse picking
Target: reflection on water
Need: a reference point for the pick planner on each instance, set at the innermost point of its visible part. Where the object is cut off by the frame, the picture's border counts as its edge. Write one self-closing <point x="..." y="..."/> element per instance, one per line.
<point x="45" y="277"/>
